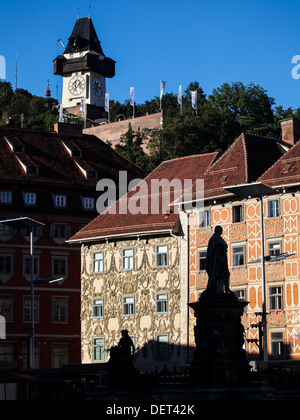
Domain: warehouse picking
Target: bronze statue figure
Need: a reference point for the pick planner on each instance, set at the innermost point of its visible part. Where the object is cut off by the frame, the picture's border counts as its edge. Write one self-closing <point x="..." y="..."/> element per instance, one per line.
<point x="216" y="263"/>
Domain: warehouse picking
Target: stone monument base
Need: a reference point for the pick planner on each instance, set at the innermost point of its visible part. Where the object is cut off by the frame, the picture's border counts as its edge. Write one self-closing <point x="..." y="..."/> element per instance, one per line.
<point x="219" y="357"/>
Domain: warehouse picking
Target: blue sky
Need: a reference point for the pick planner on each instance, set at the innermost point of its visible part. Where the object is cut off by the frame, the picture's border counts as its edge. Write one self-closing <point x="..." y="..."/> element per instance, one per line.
<point x="211" y="42"/>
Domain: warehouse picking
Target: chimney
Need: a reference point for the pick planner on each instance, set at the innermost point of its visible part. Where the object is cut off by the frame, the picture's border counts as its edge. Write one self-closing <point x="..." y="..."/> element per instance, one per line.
<point x="290" y="130"/>
<point x="69" y="129"/>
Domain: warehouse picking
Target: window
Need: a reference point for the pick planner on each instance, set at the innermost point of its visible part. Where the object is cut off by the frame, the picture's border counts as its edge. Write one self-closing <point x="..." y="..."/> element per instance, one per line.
<point x="6" y="197"/>
<point x="98" y="349"/>
<point x="6" y="230"/>
<point x="128" y="305"/>
<point x="88" y="203"/>
<point x="60" y="201"/>
<point x="59" y="309"/>
<point x="60" y="356"/>
<point x="277" y="343"/>
<point x="238" y="256"/>
<point x="274" y="248"/>
<point x="98" y="262"/>
<point x="275" y="298"/>
<point x="26" y="309"/>
<point x="59" y="266"/>
<point x="5" y="264"/>
<point x="162" y="256"/>
<point x="27" y="263"/>
<point x="98" y="308"/>
<point x="128" y="259"/>
<point x="60" y="230"/>
<point x="162" y="347"/>
<point x="37" y="231"/>
<point x="237" y="214"/>
<point x="162" y="303"/>
<point x="6" y="352"/>
<point x="202" y="260"/>
<point x="30" y="199"/>
<point x="240" y="294"/>
<point x="204" y="218"/>
<point x="273" y="208"/>
<point x="6" y="307"/>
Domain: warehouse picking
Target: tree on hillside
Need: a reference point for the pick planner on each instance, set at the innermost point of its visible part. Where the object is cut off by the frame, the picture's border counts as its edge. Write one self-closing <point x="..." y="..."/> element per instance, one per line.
<point x="26" y="109"/>
<point x="130" y="146"/>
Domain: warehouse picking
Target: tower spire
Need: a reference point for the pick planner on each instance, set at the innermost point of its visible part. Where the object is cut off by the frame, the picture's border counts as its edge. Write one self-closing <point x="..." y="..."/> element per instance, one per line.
<point x="48" y="91"/>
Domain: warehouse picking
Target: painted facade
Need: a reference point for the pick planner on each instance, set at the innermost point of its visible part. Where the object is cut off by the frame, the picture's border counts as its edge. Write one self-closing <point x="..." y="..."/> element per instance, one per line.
<point x="241" y="222"/>
<point x="134" y="285"/>
<point x="244" y="249"/>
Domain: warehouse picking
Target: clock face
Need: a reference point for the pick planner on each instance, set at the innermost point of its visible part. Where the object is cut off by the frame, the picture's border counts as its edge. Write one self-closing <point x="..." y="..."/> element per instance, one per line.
<point x="76" y="85"/>
<point x="97" y="86"/>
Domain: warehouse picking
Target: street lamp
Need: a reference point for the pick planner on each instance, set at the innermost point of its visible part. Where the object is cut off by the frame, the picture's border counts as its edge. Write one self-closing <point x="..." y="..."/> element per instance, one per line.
<point x="259" y="190"/>
<point x="19" y="223"/>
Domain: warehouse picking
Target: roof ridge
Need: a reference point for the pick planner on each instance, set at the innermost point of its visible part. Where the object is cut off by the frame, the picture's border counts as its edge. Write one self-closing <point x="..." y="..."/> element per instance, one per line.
<point x="244" y="142"/>
<point x="187" y="157"/>
<point x="263" y="137"/>
<point x="223" y="154"/>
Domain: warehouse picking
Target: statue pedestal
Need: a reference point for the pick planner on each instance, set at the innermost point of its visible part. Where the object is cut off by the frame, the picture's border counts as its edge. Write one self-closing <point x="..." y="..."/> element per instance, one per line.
<point x="219" y="335"/>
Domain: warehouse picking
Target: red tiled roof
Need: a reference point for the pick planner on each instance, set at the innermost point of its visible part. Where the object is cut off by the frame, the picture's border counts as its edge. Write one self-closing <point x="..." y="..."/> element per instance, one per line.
<point x="46" y="152"/>
<point x="244" y="161"/>
<point x="108" y="224"/>
<point x="285" y="171"/>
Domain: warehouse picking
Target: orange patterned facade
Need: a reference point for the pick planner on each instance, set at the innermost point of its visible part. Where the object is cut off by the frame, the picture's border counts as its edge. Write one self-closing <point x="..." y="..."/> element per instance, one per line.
<point x="241" y="222"/>
<point x="282" y="277"/>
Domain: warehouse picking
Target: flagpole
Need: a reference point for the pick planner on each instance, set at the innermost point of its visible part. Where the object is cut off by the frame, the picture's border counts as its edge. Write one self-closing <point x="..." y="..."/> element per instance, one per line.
<point x="162" y="88"/>
<point x="194" y="100"/>
<point x="131" y="99"/>
<point x="179" y="98"/>
<point x="160" y="95"/>
<point x="106" y="106"/>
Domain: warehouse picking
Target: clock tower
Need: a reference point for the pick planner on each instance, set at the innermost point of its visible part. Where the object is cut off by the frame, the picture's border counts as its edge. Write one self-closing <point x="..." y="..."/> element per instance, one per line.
<point x="84" y="68"/>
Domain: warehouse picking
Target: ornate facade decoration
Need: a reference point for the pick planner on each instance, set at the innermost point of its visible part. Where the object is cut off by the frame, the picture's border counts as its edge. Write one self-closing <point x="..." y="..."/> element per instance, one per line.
<point x="144" y="282"/>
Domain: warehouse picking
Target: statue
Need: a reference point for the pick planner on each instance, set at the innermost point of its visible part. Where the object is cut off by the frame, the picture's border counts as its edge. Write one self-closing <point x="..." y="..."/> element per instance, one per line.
<point x="126" y="346"/>
<point x="121" y="371"/>
<point x="219" y="357"/>
<point x="216" y="263"/>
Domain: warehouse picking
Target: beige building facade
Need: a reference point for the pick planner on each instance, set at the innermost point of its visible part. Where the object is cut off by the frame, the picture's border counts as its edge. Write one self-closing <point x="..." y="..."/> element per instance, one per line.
<point x="132" y="285"/>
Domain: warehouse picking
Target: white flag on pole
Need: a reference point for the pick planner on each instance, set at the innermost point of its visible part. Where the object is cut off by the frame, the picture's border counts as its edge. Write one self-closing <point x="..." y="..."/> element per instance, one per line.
<point x="106" y="103"/>
<point x="61" y="114"/>
<point x="83" y="107"/>
<point x="194" y="99"/>
<point x="179" y="96"/>
<point x="162" y="88"/>
<point x="131" y="96"/>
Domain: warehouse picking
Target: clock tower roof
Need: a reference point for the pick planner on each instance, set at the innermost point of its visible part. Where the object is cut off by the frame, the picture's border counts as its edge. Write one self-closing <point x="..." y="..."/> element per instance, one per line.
<point x="84" y="37"/>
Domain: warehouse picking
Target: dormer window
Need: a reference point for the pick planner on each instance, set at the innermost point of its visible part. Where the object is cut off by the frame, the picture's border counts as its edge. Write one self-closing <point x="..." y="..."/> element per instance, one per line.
<point x="15" y="144"/>
<point x="86" y="169"/>
<point x="60" y="201"/>
<point x="29" y="167"/>
<point x="72" y="148"/>
<point x="6" y="197"/>
<point x="30" y="199"/>
<point x="88" y="203"/>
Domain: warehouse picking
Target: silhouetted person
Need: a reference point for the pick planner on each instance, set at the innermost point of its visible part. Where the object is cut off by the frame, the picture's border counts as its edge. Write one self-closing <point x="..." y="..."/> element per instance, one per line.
<point x="216" y="263"/>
